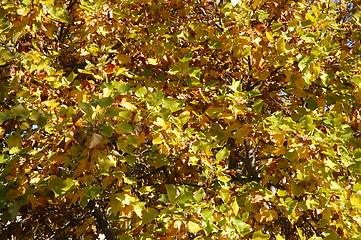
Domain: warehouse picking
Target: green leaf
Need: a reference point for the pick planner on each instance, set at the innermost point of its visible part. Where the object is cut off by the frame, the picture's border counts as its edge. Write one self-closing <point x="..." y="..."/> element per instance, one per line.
<point x="58" y="14"/>
<point x="357" y="17"/>
<point x="260" y="236"/>
<point x="123" y="87"/>
<point x="254" y="93"/>
<point x="149" y="215"/>
<point x="311" y="103"/>
<point x="305" y="62"/>
<point x="3" y="159"/>
<point x="62" y="186"/>
<point x="123" y="127"/>
<point x="171" y="192"/>
<point x="14" y="140"/>
<point x="215" y="44"/>
<point x="258" y="105"/>
<point x="276" y="26"/>
<point x="164" y="198"/>
<point x="71" y="76"/>
<point x="207" y="214"/>
<point x="106" y="130"/>
<point x="86" y="108"/>
<point x="193" y="83"/>
<point x="198" y="196"/>
<point x="195" y="72"/>
<point x="4" y="116"/>
<point x="91" y="192"/>
<point x="222" y="154"/>
<point x="214" y="112"/>
<point x="141" y="92"/>
<point x="236" y="85"/>
<point x="241" y="226"/>
<point x="174" y="106"/>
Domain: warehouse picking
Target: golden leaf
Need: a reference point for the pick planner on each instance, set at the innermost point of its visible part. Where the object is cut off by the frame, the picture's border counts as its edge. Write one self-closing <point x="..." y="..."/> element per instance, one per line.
<point x="123" y="58"/>
<point x="266" y="215"/>
<point x="164" y="149"/>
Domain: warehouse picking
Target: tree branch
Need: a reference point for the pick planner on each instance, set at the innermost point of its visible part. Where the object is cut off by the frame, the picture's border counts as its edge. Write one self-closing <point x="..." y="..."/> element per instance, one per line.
<point x="102" y="221"/>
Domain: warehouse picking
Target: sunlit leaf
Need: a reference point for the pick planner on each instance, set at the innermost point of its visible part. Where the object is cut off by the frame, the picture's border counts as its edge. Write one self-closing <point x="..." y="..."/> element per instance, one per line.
<point x="193" y="226"/>
<point x="356" y="199"/>
<point x="95" y="140"/>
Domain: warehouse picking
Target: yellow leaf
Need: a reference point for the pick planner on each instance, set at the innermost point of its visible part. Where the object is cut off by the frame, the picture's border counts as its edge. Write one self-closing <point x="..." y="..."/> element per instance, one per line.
<point x="51" y="104"/>
<point x="256" y="3"/>
<point x="23" y="11"/>
<point x="356" y="199"/>
<point x="161" y="123"/>
<point x="138" y="208"/>
<point x="279" y="237"/>
<point x="116" y="202"/>
<point x="106" y="162"/>
<point x="174" y="227"/>
<point x="269" y="36"/>
<point x="296" y="189"/>
<point x="128" y="105"/>
<point x="121" y="71"/>
<point x="225" y="195"/>
<point x="107" y="181"/>
<point x="235" y="207"/>
<point x="266" y="215"/>
<point x="278" y="138"/>
<point x="299" y="81"/>
<point x="126" y="211"/>
<point x="152" y="61"/>
<point x="193" y="226"/>
<point x="281" y="44"/>
<point x="2" y="131"/>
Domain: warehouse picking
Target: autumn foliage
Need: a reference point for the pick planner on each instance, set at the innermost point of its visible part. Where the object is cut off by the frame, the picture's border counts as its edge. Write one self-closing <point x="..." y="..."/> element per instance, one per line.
<point x="179" y="119"/>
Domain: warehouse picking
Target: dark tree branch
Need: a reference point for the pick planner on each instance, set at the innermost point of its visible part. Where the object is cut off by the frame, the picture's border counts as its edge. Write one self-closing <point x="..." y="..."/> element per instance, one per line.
<point x="220" y="24"/>
<point x="102" y="221"/>
<point x="249" y="160"/>
<point x="268" y="157"/>
<point x="64" y="30"/>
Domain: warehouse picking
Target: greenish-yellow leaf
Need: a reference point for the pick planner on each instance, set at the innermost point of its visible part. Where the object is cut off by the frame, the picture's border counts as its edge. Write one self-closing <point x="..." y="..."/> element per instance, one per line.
<point x="193" y="226"/>
<point x="356" y="199"/>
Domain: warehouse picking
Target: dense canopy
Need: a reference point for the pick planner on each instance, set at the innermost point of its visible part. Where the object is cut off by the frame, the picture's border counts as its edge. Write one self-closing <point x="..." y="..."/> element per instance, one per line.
<point x="180" y="119"/>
